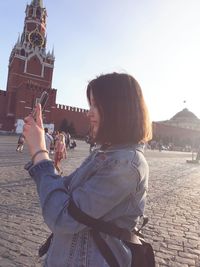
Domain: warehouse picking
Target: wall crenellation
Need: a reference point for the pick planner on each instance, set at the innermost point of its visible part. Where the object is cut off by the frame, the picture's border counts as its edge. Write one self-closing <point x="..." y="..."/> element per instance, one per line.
<point x="69" y="108"/>
<point x="2" y="92"/>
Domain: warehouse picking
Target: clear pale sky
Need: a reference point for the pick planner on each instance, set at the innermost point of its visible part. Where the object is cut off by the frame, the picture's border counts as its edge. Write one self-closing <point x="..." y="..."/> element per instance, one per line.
<point x="156" y="41"/>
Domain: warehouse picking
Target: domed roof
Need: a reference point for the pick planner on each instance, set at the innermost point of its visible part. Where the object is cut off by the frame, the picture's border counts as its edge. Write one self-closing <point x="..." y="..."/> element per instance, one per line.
<point x="185" y="114"/>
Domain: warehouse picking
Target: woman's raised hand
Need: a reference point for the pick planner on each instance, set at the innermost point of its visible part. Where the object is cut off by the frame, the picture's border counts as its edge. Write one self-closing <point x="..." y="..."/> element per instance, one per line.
<point x="34" y="132"/>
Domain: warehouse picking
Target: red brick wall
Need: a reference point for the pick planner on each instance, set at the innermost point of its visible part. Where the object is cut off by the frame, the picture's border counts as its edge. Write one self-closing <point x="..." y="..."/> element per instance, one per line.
<point x="15" y="74"/>
<point x="48" y="73"/>
<point x="175" y="134"/>
<point x="79" y="118"/>
<point x="26" y="98"/>
<point x="53" y="113"/>
<point x="3" y="106"/>
<point x="34" y="66"/>
<point x="6" y="122"/>
<point x="18" y="79"/>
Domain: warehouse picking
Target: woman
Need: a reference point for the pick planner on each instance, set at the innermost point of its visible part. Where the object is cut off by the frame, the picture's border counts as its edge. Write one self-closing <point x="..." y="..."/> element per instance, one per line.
<point x="20" y="143"/>
<point x="110" y="184"/>
<point x="60" y="152"/>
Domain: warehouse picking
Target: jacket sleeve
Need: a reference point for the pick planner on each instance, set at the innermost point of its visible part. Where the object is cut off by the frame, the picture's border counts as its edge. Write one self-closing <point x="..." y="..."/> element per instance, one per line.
<point x="96" y="197"/>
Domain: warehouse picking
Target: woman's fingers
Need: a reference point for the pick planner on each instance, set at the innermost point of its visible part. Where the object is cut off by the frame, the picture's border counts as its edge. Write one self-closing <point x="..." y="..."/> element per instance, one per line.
<point x="39" y="120"/>
<point x="26" y="129"/>
<point x="29" y="119"/>
<point x="36" y="118"/>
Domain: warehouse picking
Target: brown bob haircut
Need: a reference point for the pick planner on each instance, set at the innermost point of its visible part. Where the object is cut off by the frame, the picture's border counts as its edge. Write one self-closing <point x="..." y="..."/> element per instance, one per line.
<point x="124" y="117"/>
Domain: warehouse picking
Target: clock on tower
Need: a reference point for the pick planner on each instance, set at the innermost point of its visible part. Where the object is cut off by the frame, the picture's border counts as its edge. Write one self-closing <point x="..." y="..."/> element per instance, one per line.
<point x="35" y="38"/>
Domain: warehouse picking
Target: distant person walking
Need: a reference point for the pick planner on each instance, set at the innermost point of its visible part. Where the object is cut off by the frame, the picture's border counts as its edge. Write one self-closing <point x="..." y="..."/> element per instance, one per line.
<point x="72" y="144"/>
<point x="48" y="139"/>
<point x="20" y="143"/>
<point x="60" y="152"/>
<point x="198" y="154"/>
<point x="67" y="138"/>
<point x="91" y="142"/>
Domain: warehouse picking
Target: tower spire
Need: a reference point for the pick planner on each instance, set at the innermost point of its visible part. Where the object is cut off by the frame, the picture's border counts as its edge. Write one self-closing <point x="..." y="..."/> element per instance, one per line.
<point x="37" y="3"/>
<point x="31" y="45"/>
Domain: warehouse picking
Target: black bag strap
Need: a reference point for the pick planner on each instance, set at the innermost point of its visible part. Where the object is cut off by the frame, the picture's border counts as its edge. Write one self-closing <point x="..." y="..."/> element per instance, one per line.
<point x="145" y="221"/>
<point x="102" y="226"/>
<point x="44" y="247"/>
<point x="99" y="225"/>
<point x="105" y="250"/>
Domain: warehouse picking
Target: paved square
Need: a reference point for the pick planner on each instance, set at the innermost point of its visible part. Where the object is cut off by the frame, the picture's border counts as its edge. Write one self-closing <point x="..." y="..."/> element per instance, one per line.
<point x="173" y="207"/>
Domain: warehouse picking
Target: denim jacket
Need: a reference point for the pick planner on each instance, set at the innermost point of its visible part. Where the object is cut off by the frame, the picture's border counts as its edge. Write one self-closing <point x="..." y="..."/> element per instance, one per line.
<point x="109" y="184"/>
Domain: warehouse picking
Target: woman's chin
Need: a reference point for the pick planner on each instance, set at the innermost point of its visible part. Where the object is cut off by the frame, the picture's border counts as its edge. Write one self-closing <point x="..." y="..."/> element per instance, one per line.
<point x="94" y="133"/>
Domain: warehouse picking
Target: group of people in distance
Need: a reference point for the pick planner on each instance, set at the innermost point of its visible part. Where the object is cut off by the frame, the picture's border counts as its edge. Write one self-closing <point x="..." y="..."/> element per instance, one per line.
<point x="57" y="144"/>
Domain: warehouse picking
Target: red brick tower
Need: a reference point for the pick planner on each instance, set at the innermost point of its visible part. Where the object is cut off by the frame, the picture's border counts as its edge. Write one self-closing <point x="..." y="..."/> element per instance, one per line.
<point x="30" y="67"/>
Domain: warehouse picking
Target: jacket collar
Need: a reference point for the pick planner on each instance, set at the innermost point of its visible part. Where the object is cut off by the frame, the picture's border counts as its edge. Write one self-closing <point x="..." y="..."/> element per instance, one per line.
<point x="139" y="147"/>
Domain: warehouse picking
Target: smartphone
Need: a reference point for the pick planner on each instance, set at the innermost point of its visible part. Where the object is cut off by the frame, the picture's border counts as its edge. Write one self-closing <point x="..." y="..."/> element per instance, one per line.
<point x="42" y="101"/>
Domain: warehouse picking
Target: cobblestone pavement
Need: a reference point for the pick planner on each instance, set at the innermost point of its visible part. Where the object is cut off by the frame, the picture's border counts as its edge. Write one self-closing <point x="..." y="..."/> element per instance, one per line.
<point x="173" y="207"/>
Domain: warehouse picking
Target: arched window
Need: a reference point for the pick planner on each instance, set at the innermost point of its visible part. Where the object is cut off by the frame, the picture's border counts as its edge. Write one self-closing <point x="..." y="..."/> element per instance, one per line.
<point x="38" y="13"/>
<point x="22" y="52"/>
<point x="30" y="12"/>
